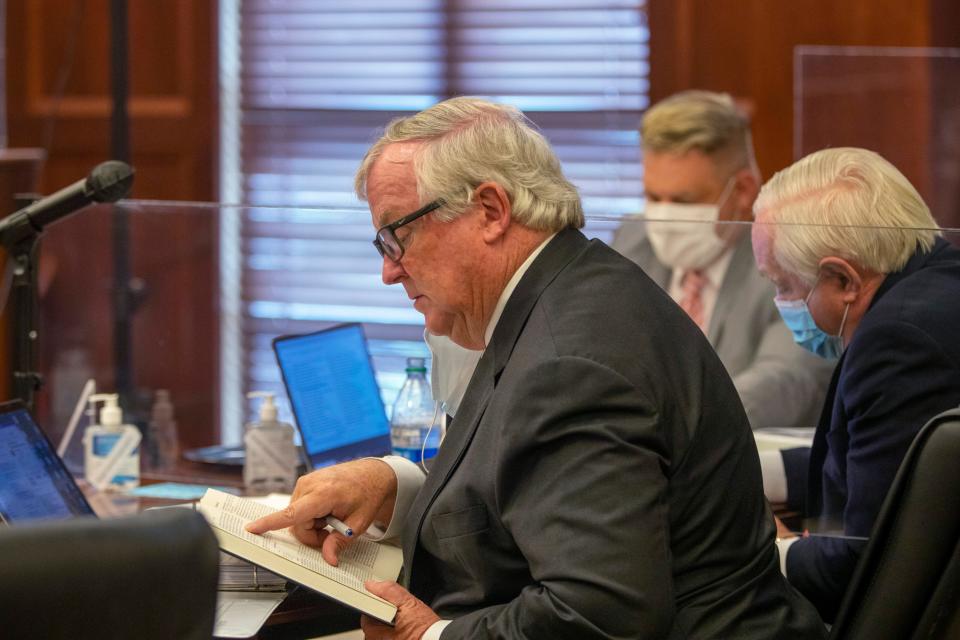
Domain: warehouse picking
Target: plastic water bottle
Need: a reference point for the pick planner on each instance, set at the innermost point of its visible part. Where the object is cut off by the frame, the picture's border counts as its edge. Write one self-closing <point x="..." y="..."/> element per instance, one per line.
<point x="412" y="432"/>
<point x="162" y="441"/>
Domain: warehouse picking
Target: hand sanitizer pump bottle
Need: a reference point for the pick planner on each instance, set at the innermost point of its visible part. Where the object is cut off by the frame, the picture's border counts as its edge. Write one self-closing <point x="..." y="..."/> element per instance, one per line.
<point x="271" y="459"/>
<point x="111" y="449"/>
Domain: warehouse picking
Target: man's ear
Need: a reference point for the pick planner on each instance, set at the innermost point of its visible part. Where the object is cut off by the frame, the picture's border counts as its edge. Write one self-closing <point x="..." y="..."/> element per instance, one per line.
<point x="843" y="277"/>
<point x="496" y="210"/>
<point x="745" y="190"/>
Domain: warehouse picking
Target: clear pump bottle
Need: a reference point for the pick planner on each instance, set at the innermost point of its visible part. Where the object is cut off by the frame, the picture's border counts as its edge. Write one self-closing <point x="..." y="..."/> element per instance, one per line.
<point x="271" y="457"/>
<point x="111" y="448"/>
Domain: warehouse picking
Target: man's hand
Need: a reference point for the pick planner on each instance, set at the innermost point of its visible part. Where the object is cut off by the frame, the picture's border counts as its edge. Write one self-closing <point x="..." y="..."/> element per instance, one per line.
<point x="413" y="619"/>
<point x="356" y="492"/>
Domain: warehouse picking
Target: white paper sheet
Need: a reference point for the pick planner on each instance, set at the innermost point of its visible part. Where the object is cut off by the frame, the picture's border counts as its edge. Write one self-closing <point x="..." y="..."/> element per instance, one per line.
<point x="240" y="614"/>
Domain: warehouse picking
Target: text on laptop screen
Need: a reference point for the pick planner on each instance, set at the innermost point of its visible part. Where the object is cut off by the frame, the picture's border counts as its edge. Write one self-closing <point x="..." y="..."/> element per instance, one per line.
<point x="334" y="394"/>
<point x="34" y="484"/>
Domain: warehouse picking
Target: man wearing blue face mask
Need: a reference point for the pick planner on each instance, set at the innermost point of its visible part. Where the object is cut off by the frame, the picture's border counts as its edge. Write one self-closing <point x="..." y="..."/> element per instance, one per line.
<point x="699" y="169"/>
<point x="861" y="272"/>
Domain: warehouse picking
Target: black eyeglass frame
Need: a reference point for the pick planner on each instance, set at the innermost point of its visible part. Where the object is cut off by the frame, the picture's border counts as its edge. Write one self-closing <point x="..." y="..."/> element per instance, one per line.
<point x="387" y="233"/>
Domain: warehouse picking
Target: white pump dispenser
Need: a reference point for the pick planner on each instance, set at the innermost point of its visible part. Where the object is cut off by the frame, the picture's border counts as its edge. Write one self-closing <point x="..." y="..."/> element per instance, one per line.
<point x="111" y="448"/>
<point x="268" y="409"/>
<point x="271" y="460"/>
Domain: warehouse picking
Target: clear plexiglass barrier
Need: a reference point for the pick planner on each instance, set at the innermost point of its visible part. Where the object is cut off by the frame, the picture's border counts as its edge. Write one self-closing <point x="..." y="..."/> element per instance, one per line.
<point x="902" y="102"/>
<point x="187" y="297"/>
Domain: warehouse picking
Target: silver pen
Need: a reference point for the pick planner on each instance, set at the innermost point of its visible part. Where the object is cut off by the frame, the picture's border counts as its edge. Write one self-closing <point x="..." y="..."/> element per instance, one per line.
<point x="338" y="525"/>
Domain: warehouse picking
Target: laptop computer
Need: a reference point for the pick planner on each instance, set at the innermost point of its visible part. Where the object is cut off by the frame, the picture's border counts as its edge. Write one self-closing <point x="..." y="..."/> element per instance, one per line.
<point x="334" y="395"/>
<point x="34" y="483"/>
<point x="36" y="486"/>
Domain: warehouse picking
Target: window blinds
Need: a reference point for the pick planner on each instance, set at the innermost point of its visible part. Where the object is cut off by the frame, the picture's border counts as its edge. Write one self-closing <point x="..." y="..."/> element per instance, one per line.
<point x="316" y="81"/>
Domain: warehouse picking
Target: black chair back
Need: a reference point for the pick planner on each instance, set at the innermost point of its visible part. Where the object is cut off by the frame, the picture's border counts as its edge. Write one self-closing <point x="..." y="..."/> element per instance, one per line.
<point x="150" y="576"/>
<point x="907" y="583"/>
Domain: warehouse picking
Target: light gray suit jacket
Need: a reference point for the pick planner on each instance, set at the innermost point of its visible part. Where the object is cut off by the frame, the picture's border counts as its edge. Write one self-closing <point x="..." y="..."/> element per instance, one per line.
<point x="600" y="479"/>
<point x="780" y="383"/>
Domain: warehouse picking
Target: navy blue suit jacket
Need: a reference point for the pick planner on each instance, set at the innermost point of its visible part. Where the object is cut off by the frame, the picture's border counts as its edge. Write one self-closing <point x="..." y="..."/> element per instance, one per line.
<point x="901" y="368"/>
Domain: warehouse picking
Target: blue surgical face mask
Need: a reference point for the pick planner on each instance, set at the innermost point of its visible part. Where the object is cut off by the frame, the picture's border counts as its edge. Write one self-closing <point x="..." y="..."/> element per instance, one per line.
<point x="806" y="333"/>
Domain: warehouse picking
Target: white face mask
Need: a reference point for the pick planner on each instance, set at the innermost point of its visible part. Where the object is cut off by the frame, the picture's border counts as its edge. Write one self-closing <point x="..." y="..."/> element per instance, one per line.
<point x="451" y="371"/>
<point x="682" y="235"/>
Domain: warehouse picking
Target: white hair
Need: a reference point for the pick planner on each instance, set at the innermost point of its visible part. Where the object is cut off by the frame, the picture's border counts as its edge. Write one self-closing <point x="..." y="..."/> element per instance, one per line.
<point x="468" y="141"/>
<point x="844" y="202"/>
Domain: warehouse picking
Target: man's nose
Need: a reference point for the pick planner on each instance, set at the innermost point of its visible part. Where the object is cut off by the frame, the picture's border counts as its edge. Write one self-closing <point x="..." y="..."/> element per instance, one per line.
<point x="392" y="271"/>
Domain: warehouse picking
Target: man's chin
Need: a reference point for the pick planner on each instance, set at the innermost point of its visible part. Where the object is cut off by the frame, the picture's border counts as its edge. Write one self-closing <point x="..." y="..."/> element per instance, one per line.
<point x="437" y="328"/>
<point x="439" y="324"/>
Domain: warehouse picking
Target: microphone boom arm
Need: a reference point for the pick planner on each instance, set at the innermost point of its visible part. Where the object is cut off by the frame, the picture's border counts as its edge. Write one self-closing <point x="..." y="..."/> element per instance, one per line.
<point x="20" y="233"/>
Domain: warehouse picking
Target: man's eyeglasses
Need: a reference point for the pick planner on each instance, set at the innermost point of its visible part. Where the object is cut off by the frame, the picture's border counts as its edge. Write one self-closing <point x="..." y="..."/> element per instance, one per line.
<point x="387" y="242"/>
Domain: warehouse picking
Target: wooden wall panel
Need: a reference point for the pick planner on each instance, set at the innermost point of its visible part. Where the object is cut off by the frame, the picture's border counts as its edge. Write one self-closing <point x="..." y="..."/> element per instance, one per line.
<point x="745" y="47"/>
<point x="172" y="107"/>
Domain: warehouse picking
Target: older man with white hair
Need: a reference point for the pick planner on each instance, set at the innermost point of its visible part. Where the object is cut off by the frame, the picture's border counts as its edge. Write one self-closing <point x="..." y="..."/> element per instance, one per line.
<point x="862" y="273"/>
<point x="600" y="478"/>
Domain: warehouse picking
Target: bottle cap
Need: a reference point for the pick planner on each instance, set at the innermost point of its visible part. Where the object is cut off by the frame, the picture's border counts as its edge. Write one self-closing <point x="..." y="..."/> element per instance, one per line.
<point x="162" y="408"/>
<point x="416" y="365"/>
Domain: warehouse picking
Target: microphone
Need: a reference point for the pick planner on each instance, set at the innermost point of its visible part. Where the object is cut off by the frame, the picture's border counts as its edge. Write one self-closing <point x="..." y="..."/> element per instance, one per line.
<point x="108" y="182"/>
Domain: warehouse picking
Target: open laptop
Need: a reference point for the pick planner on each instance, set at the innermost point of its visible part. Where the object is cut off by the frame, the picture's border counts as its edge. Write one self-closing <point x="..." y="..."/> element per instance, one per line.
<point x="34" y="483"/>
<point x="334" y="395"/>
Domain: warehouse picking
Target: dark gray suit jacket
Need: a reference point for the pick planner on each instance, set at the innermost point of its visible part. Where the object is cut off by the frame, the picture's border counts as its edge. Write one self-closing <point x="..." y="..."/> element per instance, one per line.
<point x="780" y="384"/>
<point x="600" y="479"/>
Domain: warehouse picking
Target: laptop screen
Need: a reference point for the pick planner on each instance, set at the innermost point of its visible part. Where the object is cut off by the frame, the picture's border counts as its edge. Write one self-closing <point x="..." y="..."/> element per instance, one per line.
<point x="334" y="394"/>
<point x="34" y="484"/>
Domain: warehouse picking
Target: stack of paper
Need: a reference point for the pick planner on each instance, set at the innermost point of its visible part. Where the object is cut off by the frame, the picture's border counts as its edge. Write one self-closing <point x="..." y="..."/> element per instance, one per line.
<point x="240" y="575"/>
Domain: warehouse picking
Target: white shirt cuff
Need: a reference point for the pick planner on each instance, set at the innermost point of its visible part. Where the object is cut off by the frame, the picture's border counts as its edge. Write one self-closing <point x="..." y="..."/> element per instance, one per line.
<point x="409" y="480"/>
<point x="433" y="633"/>
<point x="774" y="476"/>
<point x="783" y="545"/>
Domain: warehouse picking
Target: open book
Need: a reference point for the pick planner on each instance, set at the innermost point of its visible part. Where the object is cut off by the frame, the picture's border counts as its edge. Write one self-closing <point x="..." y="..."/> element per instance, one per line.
<point x="281" y="553"/>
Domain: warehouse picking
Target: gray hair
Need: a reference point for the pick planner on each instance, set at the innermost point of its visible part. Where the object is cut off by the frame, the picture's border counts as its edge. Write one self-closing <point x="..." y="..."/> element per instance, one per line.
<point x="703" y="120"/>
<point x="844" y="202"/>
<point x="468" y="141"/>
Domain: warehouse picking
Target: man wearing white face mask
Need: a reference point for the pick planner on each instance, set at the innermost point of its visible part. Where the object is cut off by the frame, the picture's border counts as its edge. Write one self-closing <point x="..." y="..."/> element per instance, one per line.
<point x="860" y="272"/>
<point x="699" y="169"/>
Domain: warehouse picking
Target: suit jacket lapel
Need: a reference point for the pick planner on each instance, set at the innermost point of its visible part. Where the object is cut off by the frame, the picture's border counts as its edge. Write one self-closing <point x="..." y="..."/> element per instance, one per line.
<point x="741" y="262"/>
<point x="818" y="450"/>
<point x="655" y="270"/>
<point x="566" y="245"/>
<point x="562" y="249"/>
<point x="451" y="451"/>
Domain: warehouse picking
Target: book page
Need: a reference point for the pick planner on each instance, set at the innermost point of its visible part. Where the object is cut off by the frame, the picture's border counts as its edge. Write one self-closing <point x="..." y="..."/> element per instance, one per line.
<point x="357" y="563"/>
